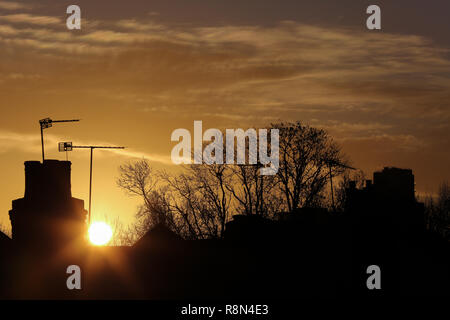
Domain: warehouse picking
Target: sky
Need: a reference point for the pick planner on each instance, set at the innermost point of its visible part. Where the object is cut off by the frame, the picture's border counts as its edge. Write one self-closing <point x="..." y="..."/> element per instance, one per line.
<point x="138" y="70"/>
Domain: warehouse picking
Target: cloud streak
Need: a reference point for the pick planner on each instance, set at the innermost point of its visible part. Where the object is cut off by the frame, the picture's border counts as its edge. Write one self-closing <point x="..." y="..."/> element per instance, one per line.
<point x="25" y="18"/>
<point x="9" y="5"/>
<point x="30" y="143"/>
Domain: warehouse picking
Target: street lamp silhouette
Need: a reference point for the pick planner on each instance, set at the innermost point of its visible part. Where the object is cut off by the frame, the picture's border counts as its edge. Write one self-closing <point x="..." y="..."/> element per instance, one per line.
<point x="48" y="123"/>
<point x="68" y="146"/>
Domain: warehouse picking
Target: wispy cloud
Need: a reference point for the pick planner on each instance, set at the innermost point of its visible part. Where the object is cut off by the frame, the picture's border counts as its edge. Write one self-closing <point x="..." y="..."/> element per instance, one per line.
<point x="30" y="143"/>
<point x="26" y="18"/>
<point x="133" y="24"/>
<point x="9" y="5"/>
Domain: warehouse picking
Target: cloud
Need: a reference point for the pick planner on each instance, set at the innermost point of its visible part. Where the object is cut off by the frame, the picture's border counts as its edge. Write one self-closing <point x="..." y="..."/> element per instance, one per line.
<point x="388" y="143"/>
<point x="9" y="5"/>
<point x="7" y="30"/>
<point x="133" y="24"/>
<point x="30" y="143"/>
<point x="26" y="18"/>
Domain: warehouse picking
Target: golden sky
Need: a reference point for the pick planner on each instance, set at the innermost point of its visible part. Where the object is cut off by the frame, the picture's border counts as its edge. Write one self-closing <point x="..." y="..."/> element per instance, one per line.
<point x="137" y="70"/>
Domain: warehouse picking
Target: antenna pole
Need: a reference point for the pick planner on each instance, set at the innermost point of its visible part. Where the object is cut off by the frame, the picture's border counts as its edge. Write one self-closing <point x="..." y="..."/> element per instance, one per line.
<point x="90" y="188"/>
<point x="331" y="184"/>
<point x="67" y="146"/>
<point x="42" y="143"/>
<point x="339" y="165"/>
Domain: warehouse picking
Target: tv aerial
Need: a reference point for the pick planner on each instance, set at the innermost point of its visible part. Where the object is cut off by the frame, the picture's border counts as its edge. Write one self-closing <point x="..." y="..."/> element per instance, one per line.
<point x="68" y="146"/>
<point x="48" y="123"/>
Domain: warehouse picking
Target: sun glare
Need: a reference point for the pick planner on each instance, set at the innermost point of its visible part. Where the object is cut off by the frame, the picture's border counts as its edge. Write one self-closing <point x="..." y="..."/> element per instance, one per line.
<point x="100" y="233"/>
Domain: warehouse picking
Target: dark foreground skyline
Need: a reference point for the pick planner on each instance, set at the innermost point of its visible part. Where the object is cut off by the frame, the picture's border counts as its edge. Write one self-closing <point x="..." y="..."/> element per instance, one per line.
<point x="309" y="252"/>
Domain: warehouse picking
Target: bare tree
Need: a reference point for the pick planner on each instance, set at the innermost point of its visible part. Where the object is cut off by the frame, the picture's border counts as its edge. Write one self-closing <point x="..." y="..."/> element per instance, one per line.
<point x="201" y="199"/>
<point x="438" y="211"/>
<point x="305" y="156"/>
<point x="358" y="177"/>
<point x="139" y="179"/>
<point x="194" y="204"/>
<point x="197" y="203"/>
<point x="253" y="193"/>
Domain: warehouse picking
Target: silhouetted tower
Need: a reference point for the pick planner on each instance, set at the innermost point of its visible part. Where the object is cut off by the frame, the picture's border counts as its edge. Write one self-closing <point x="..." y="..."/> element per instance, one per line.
<point x="48" y="216"/>
<point x="395" y="184"/>
<point x="386" y="211"/>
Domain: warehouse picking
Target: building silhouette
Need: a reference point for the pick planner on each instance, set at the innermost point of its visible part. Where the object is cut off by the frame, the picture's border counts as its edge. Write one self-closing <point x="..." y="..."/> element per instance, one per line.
<point x="386" y="209"/>
<point x="310" y="252"/>
<point x="394" y="184"/>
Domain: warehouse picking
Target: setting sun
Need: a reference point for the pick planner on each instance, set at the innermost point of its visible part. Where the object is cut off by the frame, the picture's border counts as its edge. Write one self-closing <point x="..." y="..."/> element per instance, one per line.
<point x="100" y="233"/>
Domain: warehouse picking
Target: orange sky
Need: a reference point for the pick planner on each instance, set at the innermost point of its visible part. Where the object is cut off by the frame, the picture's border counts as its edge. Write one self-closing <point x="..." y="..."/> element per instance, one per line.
<point x="139" y="70"/>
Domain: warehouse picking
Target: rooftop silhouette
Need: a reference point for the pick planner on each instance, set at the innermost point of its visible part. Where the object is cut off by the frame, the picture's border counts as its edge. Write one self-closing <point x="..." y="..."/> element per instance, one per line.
<point x="308" y="252"/>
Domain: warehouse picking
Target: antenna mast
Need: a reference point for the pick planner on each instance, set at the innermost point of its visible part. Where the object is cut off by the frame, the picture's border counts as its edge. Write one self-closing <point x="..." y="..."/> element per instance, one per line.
<point x="67" y="146"/>
<point x="334" y="163"/>
<point x="48" y="123"/>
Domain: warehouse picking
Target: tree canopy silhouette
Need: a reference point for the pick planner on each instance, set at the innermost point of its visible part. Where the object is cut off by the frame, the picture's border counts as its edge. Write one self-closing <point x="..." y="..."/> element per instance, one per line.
<point x="198" y="202"/>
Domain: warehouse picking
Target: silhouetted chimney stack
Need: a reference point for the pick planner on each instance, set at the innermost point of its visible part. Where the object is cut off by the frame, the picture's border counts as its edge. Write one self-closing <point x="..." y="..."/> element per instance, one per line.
<point x="47" y="216"/>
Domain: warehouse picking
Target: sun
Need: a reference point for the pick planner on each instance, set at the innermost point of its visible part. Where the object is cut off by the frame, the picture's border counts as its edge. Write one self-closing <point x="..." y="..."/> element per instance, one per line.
<point x="100" y="233"/>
